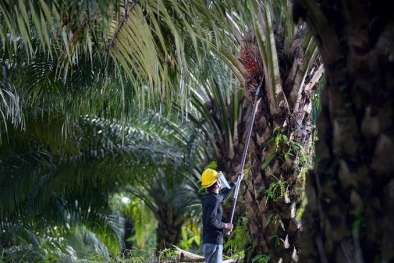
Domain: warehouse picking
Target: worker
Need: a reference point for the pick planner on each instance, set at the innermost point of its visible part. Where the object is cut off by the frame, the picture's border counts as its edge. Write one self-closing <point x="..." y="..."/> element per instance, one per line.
<point x="213" y="227"/>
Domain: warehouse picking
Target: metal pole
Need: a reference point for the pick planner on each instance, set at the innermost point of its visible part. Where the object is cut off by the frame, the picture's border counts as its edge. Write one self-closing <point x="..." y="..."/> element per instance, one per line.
<point x="238" y="183"/>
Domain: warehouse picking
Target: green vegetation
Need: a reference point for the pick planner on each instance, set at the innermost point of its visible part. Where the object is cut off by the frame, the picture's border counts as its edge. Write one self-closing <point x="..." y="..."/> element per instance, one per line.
<point x="110" y="110"/>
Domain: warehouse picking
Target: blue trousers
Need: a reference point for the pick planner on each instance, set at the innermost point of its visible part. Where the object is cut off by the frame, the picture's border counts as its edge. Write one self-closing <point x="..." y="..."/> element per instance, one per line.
<point x="213" y="253"/>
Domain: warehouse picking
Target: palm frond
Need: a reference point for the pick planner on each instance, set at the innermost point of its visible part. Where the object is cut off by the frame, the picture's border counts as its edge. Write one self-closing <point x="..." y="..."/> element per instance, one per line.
<point x="108" y="148"/>
<point x="143" y="39"/>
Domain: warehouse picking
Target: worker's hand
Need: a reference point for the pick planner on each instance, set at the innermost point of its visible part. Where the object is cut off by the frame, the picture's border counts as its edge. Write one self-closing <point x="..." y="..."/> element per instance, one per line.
<point x="228" y="227"/>
<point x="241" y="176"/>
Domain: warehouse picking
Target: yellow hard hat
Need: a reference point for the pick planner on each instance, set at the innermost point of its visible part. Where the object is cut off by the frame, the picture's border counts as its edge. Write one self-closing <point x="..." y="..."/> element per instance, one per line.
<point x="209" y="177"/>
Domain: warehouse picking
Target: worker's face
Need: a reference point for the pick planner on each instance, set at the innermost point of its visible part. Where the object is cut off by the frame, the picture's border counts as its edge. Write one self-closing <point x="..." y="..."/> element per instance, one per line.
<point x="219" y="184"/>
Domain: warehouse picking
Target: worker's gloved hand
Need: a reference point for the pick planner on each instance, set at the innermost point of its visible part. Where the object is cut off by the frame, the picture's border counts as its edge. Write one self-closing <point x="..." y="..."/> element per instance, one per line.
<point x="241" y="176"/>
<point x="228" y="227"/>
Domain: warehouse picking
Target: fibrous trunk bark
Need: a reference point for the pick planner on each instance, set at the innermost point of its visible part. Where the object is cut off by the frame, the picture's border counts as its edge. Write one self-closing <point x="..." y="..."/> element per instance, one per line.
<point x="270" y="193"/>
<point x="169" y="231"/>
<point x="350" y="211"/>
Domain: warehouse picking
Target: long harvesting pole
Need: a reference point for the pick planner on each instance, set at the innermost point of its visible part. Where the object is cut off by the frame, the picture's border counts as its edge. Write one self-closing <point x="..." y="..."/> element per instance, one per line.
<point x="239" y="179"/>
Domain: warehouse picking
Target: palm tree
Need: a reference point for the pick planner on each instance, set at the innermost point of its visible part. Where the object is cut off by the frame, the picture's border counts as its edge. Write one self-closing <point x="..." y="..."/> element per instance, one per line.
<point x="171" y="192"/>
<point x="259" y="45"/>
<point x="137" y="233"/>
<point x="350" y="205"/>
<point x="73" y="188"/>
<point x="172" y="200"/>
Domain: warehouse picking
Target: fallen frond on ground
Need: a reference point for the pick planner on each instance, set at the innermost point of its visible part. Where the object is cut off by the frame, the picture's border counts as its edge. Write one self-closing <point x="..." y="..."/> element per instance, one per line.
<point x="186" y="256"/>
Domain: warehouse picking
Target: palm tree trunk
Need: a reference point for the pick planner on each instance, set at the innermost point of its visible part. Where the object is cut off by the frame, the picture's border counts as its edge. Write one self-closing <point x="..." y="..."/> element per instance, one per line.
<point x="129" y="232"/>
<point x="350" y="194"/>
<point x="269" y="198"/>
<point x="169" y="230"/>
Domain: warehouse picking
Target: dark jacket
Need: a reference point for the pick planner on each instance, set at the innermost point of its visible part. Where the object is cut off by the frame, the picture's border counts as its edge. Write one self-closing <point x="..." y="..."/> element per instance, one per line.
<point x="212" y="213"/>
